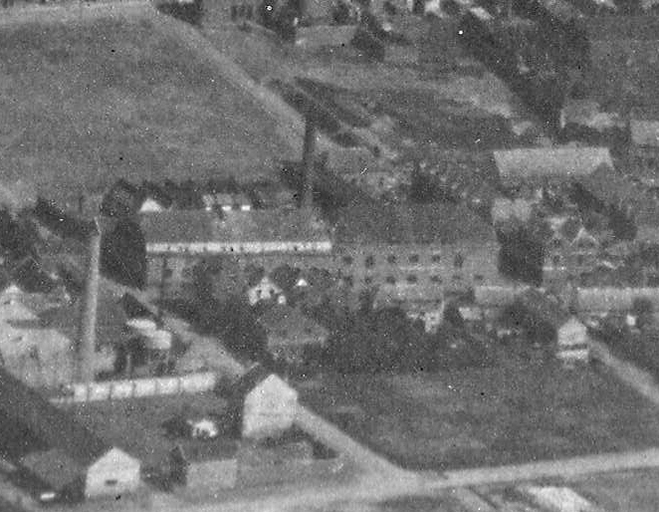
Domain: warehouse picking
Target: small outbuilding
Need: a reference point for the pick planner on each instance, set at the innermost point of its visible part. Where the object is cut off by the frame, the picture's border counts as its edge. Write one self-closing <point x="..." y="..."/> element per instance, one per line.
<point x="572" y="341"/>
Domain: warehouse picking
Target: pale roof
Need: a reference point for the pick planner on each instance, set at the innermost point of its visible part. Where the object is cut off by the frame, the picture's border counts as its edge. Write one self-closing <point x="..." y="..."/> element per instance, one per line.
<point x="557" y="163"/>
<point x="42" y="351"/>
<point x="198" y="226"/>
<point x="644" y="133"/>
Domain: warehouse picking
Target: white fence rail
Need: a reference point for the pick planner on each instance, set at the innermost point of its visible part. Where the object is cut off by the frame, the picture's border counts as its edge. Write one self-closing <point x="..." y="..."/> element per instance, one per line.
<point x="124" y="389"/>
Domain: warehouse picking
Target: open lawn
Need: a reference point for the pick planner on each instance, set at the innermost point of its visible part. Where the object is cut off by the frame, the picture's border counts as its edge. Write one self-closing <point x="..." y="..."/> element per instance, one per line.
<point x="85" y="103"/>
<point x="518" y="411"/>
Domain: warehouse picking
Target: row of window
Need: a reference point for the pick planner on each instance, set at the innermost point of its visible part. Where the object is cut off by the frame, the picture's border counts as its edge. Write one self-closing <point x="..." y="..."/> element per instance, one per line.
<point x="369" y="261"/>
<point x="410" y="279"/>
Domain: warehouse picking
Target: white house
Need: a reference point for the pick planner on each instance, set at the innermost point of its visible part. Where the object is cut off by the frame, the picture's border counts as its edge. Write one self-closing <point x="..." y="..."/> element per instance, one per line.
<point x="264" y="290"/>
<point x="266" y="406"/>
<point x="572" y="341"/>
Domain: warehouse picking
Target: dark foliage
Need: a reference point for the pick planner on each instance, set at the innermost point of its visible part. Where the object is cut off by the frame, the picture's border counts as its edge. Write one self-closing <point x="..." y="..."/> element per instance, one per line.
<point x="376" y="341"/>
<point x="190" y="12"/>
<point x="18" y="237"/>
<point x="521" y="256"/>
<point x="236" y="322"/>
<point x="123" y="254"/>
<point x="61" y="223"/>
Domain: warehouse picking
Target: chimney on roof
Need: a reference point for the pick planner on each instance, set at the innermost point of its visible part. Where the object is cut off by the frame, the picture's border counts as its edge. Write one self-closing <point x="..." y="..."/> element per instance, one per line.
<point x="308" y="163"/>
<point x="87" y="334"/>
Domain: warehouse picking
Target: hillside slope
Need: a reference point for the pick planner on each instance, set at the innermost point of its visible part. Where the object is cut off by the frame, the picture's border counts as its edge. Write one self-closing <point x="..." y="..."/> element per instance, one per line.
<point x="84" y="103"/>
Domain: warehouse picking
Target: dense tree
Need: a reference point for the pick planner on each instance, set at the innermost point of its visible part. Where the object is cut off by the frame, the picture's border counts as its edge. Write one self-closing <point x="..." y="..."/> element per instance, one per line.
<point x="123" y="254"/>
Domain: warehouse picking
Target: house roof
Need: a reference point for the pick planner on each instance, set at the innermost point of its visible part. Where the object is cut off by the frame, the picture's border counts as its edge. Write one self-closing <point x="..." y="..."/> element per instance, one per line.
<point x="557" y="163"/>
<point x="299" y="329"/>
<point x="248" y="381"/>
<point x="53" y="467"/>
<point x="54" y="427"/>
<point x="644" y="132"/>
<point x="408" y="223"/>
<point x="204" y="450"/>
<point x="610" y="186"/>
<point x="174" y="226"/>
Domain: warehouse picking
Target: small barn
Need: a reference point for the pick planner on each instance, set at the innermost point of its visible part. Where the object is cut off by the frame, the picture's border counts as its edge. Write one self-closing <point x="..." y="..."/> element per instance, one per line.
<point x="262" y="404"/>
<point x="205" y="465"/>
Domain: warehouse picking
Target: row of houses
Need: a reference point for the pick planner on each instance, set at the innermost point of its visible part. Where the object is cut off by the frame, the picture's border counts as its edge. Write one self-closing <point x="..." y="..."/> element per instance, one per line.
<point x="125" y="199"/>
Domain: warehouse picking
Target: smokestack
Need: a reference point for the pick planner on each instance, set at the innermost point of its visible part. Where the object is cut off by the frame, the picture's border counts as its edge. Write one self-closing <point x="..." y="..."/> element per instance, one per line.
<point x="308" y="163"/>
<point x="87" y="335"/>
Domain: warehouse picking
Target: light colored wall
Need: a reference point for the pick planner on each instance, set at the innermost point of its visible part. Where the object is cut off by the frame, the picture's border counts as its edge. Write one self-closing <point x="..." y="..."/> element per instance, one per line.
<point x="269" y="409"/>
<point x="117" y="466"/>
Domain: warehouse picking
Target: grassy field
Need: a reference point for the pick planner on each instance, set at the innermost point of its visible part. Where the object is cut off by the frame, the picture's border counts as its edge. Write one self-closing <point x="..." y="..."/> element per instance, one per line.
<point x="455" y="107"/>
<point x="518" y="411"/>
<point x="83" y="104"/>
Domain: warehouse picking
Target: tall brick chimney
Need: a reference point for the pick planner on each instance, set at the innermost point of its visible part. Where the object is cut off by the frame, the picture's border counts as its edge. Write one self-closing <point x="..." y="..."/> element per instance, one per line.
<point x="308" y="163"/>
<point x="87" y="334"/>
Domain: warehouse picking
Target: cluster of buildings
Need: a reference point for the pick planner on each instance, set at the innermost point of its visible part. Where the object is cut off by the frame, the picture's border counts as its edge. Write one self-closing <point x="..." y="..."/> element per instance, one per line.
<point x="244" y="436"/>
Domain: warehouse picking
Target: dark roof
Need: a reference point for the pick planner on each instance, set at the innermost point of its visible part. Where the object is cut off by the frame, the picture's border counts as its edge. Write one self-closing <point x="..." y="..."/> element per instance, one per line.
<point x="610" y="186"/>
<point x="150" y="190"/>
<point x="554" y="163"/>
<point x="298" y="327"/>
<point x="52" y="426"/>
<point x="120" y="199"/>
<point x="248" y="381"/>
<point x="205" y="450"/>
<point x="53" y="467"/>
<point x="295" y="225"/>
<point x="409" y="223"/>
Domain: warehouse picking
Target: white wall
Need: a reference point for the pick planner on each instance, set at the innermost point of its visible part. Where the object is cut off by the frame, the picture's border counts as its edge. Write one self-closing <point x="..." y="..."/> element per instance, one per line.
<point x="269" y="409"/>
<point x="114" y="473"/>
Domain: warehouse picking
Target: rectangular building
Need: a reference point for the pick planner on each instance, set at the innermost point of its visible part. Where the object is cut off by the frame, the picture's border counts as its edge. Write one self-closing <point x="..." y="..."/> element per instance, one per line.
<point x="414" y="249"/>
<point x="176" y="241"/>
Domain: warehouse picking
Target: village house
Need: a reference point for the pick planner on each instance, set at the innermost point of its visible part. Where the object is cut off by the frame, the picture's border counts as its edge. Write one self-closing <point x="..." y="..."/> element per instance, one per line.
<point x="572" y="341"/>
<point x="262" y="405"/>
<point x="176" y="241"/>
<point x="56" y="453"/>
<point x="407" y="250"/>
<point x="38" y="334"/>
<point x="265" y="290"/>
<point x="527" y="171"/>
<point x="570" y="251"/>
<point x="289" y="332"/>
